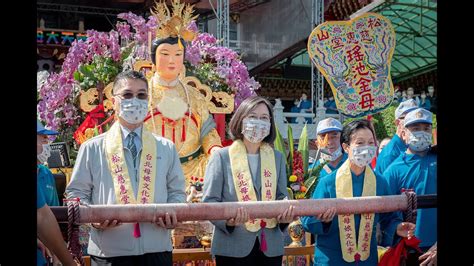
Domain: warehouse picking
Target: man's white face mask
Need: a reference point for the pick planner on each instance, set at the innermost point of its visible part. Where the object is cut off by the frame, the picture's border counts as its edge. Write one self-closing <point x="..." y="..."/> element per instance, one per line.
<point x="420" y="141"/>
<point x="44" y="155"/>
<point x="133" y="110"/>
<point x="332" y="157"/>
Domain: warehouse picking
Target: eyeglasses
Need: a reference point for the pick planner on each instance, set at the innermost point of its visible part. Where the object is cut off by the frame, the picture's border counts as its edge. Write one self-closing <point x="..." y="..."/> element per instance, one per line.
<point x="129" y="95"/>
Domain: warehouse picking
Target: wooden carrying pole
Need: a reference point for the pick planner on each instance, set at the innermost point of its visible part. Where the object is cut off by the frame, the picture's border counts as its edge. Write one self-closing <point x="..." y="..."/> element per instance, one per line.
<point x="226" y="210"/>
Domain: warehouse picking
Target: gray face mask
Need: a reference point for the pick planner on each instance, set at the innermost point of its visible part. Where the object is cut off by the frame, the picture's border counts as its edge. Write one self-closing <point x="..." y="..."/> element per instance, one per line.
<point x="332" y="157"/>
<point x="419" y="141"/>
<point x="363" y="155"/>
<point x="133" y="110"/>
<point x="44" y="155"/>
<point x="255" y="130"/>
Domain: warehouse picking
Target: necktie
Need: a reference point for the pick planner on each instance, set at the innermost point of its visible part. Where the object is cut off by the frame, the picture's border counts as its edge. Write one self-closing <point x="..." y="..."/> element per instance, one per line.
<point x="131" y="146"/>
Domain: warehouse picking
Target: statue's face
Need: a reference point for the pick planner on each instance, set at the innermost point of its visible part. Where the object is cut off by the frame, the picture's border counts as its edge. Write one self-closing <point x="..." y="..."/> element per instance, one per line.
<point x="169" y="61"/>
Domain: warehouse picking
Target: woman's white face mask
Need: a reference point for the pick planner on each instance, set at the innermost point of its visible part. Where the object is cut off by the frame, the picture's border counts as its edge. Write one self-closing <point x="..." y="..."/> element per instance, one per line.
<point x="255" y="130"/>
<point x="363" y="155"/>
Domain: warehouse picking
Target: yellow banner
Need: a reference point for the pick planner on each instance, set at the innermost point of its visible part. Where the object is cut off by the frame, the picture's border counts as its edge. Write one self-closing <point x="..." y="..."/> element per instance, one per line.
<point x="243" y="179"/>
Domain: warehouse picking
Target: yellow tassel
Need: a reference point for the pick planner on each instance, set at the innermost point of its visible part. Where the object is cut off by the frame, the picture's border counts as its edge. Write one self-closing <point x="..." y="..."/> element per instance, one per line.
<point x="179" y="43"/>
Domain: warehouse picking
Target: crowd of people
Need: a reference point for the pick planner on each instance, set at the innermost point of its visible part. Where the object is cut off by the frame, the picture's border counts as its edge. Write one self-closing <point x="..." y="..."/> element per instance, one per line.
<point x="131" y="164"/>
<point x="425" y="99"/>
<point x="110" y="170"/>
<point x="148" y="155"/>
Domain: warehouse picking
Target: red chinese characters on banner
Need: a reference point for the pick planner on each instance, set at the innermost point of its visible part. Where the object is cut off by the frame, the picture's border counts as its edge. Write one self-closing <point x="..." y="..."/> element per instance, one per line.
<point x="367" y="226"/>
<point x="363" y="85"/>
<point x="243" y="187"/>
<point x="120" y="179"/>
<point x="125" y="199"/>
<point x="355" y="53"/>
<point x="361" y="68"/>
<point x="115" y="158"/>
<point x="351" y="38"/>
<point x="365" y="36"/>
<point x="350" y="250"/>
<point x="243" y="183"/>
<point x="145" y="194"/>
<point x="362" y="77"/>
<point x="359" y="25"/>
<point x="346" y="219"/>
<point x="374" y="23"/>
<point x="123" y="190"/>
<point x="267" y="173"/>
<point x="147" y="178"/>
<point x="349" y="243"/>
<point x="268" y="183"/>
<point x="367" y="101"/>
<point x="118" y="169"/>
<point x="323" y="35"/>
<point x="364" y="247"/>
<point x="337" y="42"/>
<point x="245" y="197"/>
<point x="268" y="194"/>
<point x="366" y="236"/>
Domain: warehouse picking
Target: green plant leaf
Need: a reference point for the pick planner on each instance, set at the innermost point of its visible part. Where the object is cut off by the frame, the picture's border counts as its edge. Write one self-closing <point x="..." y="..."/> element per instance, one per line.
<point x="77" y="76"/>
<point x="303" y="148"/>
<point x="290" y="193"/>
<point x="313" y="180"/>
<point x="86" y="70"/>
<point x="280" y="145"/>
<point x="291" y="148"/>
<point x="310" y="184"/>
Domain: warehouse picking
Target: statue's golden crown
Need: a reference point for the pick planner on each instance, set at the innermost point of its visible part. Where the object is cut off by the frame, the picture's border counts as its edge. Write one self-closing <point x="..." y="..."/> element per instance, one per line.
<point x="174" y="25"/>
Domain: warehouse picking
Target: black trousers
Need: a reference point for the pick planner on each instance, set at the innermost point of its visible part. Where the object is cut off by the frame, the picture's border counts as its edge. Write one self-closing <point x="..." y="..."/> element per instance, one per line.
<point x="149" y="259"/>
<point x="256" y="257"/>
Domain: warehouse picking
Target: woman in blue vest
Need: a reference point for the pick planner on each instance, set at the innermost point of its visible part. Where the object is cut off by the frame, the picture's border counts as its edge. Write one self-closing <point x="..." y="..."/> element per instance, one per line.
<point x="354" y="178"/>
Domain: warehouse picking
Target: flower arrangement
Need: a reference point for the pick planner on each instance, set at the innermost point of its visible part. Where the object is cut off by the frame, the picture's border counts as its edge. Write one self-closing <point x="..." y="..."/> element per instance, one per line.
<point x="87" y="64"/>
<point x="95" y="62"/>
<point x="219" y="67"/>
<point x="301" y="180"/>
<point x="296" y="180"/>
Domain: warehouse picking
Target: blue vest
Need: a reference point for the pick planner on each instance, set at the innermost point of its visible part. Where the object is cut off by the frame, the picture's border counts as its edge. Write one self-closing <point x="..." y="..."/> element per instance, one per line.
<point x="411" y="171"/>
<point x="389" y="153"/>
